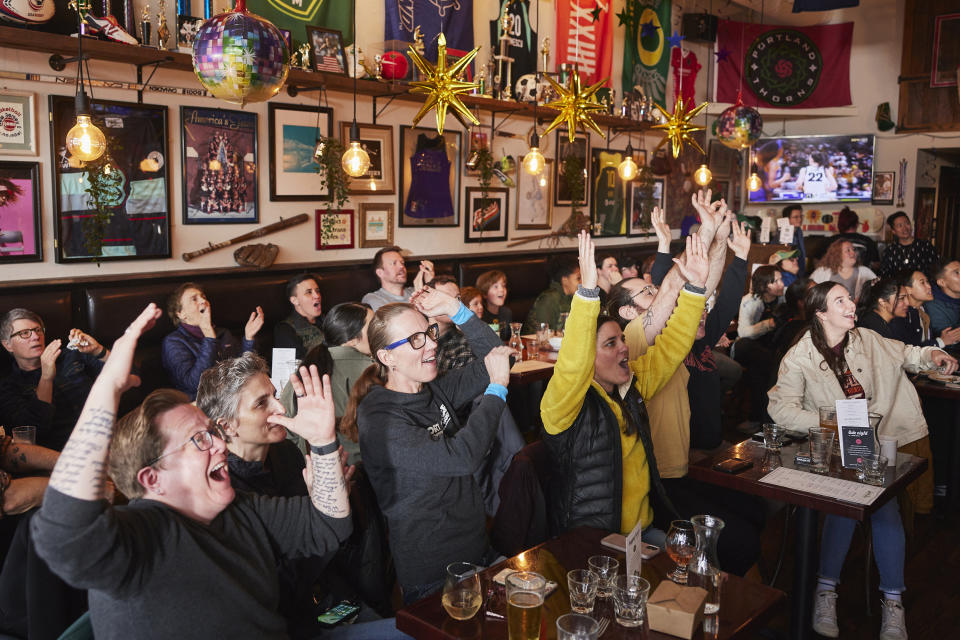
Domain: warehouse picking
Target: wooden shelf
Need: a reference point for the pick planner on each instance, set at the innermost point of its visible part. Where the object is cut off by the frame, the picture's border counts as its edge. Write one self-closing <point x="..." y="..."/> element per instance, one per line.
<point x="51" y="43"/>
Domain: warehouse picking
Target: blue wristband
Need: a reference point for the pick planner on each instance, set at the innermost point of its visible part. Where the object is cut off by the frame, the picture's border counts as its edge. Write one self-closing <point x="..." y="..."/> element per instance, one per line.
<point x="462" y="315"/>
<point x="494" y="389"/>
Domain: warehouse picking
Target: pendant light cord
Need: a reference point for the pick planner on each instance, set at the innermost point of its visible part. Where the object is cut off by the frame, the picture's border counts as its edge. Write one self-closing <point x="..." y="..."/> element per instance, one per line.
<point x="355" y="54"/>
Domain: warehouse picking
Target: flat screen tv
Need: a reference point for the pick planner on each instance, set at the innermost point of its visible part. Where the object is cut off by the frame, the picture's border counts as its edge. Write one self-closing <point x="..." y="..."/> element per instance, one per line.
<point x="814" y="169"/>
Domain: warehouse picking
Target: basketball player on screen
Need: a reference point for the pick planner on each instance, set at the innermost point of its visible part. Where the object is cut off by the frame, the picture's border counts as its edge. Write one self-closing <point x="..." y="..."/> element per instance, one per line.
<point x="816" y="180"/>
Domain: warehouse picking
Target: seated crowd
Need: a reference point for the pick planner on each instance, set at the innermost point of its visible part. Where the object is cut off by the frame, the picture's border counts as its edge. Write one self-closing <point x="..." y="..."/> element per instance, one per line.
<point x="244" y="507"/>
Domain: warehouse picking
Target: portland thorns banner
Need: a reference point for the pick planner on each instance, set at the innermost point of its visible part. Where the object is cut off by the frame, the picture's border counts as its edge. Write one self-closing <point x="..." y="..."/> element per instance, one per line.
<point x="804" y="67"/>
<point x="646" y="52"/>
<point x="593" y="47"/>
<point x="296" y="15"/>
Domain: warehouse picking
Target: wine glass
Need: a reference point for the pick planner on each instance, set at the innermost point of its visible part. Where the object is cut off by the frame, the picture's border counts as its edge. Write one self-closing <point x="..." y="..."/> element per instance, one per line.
<point x="681" y="545"/>
<point x="461" y="590"/>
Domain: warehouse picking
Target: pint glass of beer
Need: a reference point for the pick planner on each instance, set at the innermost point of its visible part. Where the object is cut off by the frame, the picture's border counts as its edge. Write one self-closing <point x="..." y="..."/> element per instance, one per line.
<point x="525" y="591"/>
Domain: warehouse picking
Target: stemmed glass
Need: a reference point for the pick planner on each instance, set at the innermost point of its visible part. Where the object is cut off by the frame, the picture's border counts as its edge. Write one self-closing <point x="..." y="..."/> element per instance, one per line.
<point x="461" y="590"/>
<point x="681" y="545"/>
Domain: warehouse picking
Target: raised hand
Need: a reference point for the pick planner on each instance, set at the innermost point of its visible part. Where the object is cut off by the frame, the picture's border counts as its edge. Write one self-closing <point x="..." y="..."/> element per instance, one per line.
<point x="659" y="221"/>
<point x="205" y="321"/>
<point x="116" y="371"/>
<point x="85" y="342"/>
<point x="709" y="212"/>
<point x="424" y="275"/>
<point x="254" y="324"/>
<point x="695" y="266"/>
<point x="950" y="336"/>
<point x="316" y="415"/>
<point x="497" y="362"/>
<point x="588" y="265"/>
<point x="48" y="359"/>
<point x="433" y="302"/>
<point x="740" y="243"/>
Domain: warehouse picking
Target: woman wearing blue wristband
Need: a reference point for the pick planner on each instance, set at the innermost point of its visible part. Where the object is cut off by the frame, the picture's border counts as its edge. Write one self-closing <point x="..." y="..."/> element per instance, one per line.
<point x="419" y="456"/>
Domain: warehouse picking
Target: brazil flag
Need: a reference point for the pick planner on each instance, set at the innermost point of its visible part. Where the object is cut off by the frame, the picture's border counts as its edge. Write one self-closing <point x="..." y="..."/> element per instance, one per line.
<point x="296" y="15"/>
<point x="646" y="53"/>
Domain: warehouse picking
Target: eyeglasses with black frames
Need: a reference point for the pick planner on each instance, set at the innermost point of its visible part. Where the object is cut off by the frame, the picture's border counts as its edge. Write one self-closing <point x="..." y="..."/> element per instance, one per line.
<point x="418" y="339"/>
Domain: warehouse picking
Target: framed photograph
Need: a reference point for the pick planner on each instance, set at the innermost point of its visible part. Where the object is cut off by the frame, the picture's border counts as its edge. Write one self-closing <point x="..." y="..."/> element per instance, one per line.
<point x="138" y="200"/>
<point x="20" y="239"/>
<point x="187" y="27"/>
<point x="487" y="217"/>
<point x="946" y="53"/>
<point x="293" y="130"/>
<point x="534" y="201"/>
<point x="326" y="50"/>
<point x="580" y="148"/>
<point x="219" y="166"/>
<point x="334" y="229"/>
<point x="608" y="197"/>
<point x="377" y="141"/>
<point x="18" y="135"/>
<point x="376" y="224"/>
<point x="723" y="161"/>
<point x="430" y="169"/>
<point x="883" y="183"/>
<point x="640" y="210"/>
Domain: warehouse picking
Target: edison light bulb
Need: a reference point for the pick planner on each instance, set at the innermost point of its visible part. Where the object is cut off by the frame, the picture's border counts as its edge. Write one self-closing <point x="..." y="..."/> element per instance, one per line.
<point x="754" y="183"/>
<point x="373" y="184"/>
<point x="534" y="162"/>
<point x="627" y="169"/>
<point x="85" y="140"/>
<point x="702" y="176"/>
<point x="355" y="160"/>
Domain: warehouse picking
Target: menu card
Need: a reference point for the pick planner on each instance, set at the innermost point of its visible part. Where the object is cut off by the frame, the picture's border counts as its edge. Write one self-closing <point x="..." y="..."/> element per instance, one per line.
<point x="786" y="231"/>
<point x="836" y="488"/>
<point x="765" y="230"/>
<point x="284" y="365"/>
<point x="855" y="433"/>
<point x="634" y="549"/>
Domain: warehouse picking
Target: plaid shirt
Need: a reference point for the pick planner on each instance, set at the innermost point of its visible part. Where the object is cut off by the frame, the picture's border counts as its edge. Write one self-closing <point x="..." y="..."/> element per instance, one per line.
<point x="453" y="351"/>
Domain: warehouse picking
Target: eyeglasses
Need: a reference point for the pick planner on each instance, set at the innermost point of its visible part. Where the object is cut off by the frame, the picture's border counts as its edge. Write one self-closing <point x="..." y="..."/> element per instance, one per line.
<point x="24" y="334"/>
<point x="202" y="440"/>
<point x="418" y="339"/>
<point x="647" y="290"/>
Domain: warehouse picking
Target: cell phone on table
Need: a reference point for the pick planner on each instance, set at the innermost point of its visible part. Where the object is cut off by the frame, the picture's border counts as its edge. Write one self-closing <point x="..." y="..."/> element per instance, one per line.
<point x="344" y="611"/>
<point x="733" y="465"/>
<point x="618" y="542"/>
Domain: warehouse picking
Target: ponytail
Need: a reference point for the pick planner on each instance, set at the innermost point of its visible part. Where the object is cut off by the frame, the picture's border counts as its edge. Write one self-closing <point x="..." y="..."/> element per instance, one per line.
<point x="372" y="375"/>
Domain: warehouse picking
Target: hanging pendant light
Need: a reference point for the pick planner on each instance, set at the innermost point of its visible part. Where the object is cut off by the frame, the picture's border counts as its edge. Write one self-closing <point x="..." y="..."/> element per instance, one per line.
<point x="754" y="183"/>
<point x="628" y="169"/>
<point x="702" y="176"/>
<point x="85" y="141"/>
<point x="356" y="160"/>
<point x="534" y="162"/>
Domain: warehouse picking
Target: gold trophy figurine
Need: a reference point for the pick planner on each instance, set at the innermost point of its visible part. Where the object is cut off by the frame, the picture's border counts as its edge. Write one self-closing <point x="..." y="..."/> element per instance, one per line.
<point x="420" y="48"/>
<point x="163" y="33"/>
<point x="304" y="61"/>
<point x="545" y="54"/>
<point x="502" y="88"/>
<point x="145" y="26"/>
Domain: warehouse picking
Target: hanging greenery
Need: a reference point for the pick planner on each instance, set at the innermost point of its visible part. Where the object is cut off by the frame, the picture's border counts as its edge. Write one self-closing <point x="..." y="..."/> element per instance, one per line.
<point x="332" y="176"/>
<point x="484" y="167"/>
<point x="105" y="191"/>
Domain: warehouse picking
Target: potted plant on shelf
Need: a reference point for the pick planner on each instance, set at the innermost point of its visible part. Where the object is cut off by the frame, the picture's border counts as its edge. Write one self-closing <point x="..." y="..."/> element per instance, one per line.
<point x="332" y="177"/>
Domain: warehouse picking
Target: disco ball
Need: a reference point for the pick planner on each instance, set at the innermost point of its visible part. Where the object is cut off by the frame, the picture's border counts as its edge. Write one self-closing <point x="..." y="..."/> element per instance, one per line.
<point x="739" y="126"/>
<point x="240" y="57"/>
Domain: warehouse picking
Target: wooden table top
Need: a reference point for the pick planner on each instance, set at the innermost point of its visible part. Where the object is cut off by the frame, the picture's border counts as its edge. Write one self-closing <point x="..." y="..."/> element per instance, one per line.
<point x="743" y="604"/>
<point x="932" y="389"/>
<point x="908" y="468"/>
<point x="528" y="375"/>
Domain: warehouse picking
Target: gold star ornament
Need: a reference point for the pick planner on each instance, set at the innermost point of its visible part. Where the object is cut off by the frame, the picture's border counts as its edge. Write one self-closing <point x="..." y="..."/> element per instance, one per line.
<point x="443" y="85"/>
<point x="575" y="105"/>
<point x="679" y="127"/>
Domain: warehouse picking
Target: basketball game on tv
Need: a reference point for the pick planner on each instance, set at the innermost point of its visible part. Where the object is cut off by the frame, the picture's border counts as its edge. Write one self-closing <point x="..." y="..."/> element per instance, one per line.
<point x="814" y="169"/>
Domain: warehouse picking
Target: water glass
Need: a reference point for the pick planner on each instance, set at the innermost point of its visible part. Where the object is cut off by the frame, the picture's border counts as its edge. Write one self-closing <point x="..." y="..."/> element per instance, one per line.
<point x="873" y="466"/>
<point x="888" y="449"/>
<point x="543" y="335"/>
<point x="606" y="569"/>
<point x="630" y="600"/>
<point x="773" y="436"/>
<point x="25" y="434"/>
<point x="525" y="593"/>
<point x="583" y="590"/>
<point x="821" y="449"/>
<point x="461" y="590"/>
<point x="574" y="626"/>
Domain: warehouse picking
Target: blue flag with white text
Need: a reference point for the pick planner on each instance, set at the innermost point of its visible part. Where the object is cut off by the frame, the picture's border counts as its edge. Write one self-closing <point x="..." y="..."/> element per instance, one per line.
<point x="454" y="18"/>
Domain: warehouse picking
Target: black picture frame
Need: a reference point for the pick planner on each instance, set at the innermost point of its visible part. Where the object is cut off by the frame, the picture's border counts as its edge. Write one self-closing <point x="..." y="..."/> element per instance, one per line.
<point x="608" y="194"/>
<point x="292" y="131"/>
<point x="377" y="141"/>
<point x="581" y="147"/>
<point x="416" y="140"/>
<point x="20" y="212"/>
<point x="218" y="152"/>
<point x="137" y="142"/>
<point x="640" y="225"/>
<point x="326" y="50"/>
<point x="486" y="219"/>
<point x="881" y="193"/>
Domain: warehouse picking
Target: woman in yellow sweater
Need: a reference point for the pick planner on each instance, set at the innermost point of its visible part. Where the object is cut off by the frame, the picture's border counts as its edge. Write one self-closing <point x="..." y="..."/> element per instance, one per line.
<point x="593" y="412"/>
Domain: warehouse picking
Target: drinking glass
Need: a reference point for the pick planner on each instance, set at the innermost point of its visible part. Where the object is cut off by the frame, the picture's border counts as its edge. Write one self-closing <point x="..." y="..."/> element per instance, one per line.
<point x="773" y="436"/>
<point x="461" y="590"/>
<point x="583" y="590"/>
<point x="606" y="569"/>
<point x="574" y="626"/>
<point x="821" y="449"/>
<point x="872" y="468"/>
<point x="681" y="545"/>
<point x="543" y="335"/>
<point x="525" y="592"/>
<point x="25" y="434"/>
<point x="630" y="600"/>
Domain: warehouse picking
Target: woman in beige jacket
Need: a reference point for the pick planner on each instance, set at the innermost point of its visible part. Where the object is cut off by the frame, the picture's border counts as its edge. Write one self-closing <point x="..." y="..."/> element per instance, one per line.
<point x="832" y="361"/>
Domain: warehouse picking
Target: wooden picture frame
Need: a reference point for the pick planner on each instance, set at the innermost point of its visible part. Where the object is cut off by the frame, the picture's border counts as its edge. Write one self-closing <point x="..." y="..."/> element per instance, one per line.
<point x="18" y="123"/>
<point x="334" y="229"/>
<point x="20" y="212"/>
<point x="326" y="50"/>
<point x="534" y="199"/>
<point x="884" y="183"/>
<point x="376" y="224"/>
<point x="219" y="176"/>
<point x="581" y="148"/>
<point x="487" y="219"/>
<point x="292" y="137"/>
<point x="426" y="198"/>
<point x="377" y="141"/>
<point x="608" y="196"/>
<point x="639" y="223"/>
<point x="139" y="227"/>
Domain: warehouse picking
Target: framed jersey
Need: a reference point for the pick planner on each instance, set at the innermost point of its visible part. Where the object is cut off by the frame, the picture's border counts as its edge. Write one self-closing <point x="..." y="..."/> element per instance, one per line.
<point x="429" y="177"/>
<point x="608" y="194"/>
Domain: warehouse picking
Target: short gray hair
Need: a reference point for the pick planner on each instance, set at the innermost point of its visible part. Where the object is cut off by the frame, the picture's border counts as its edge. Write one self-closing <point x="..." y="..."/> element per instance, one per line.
<point x="6" y="325"/>
<point x="218" y="395"/>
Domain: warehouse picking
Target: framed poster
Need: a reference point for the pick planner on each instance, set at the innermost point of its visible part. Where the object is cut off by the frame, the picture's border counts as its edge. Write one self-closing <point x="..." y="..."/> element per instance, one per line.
<point x="334" y="229"/>
<point x="377" y="141"/>
<point x="608" y="197"/>
<point x="487" y="217"/>
<point x="429" y="177"/>
<point x="946" y="50"/>
<point x="293" y="130"/>
<point x="640" y="210"/>
<point x="20" y="239"/>
<point x="376" y="224"/>
<point x="534" y="199"/>
<point x="883" y="183"/>
<point x="579" y="148"/>
<point x="139" y="203"/>
<point x="219" y="166"/>
<point x="326" y="50"/>
<point x="18" y="124"/>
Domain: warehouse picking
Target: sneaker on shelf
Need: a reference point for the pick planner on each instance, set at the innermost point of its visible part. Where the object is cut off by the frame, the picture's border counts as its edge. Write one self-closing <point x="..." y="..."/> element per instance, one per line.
<point x="109" y="28"/>
<point x="893" y="625"/>
<point x="825" y="614"/>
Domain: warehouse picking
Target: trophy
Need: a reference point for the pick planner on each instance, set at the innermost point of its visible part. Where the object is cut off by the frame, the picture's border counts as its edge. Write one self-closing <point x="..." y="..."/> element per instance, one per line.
<point x="378" y="60"/>
<point x="163" y="32"/>
<point x="502" y="83"/>
<point x="145" y="26"/>
<point x="545" y="54"/>
<point x="304" y="61"/>
<point x="420" y="48"/>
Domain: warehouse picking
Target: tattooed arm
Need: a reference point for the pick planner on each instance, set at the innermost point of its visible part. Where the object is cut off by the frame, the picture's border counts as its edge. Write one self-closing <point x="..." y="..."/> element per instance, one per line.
<point x="80" y="472"/>
<point x="20" y="457"/>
